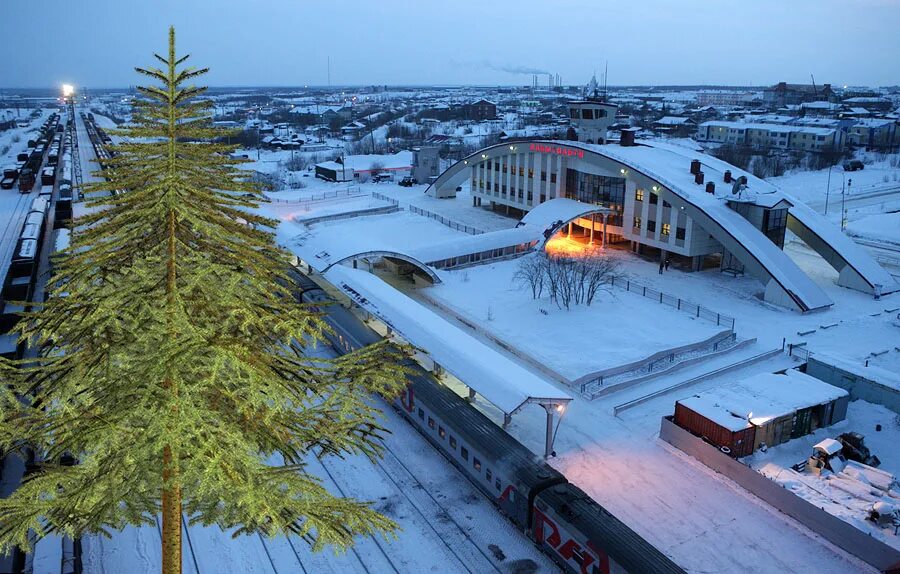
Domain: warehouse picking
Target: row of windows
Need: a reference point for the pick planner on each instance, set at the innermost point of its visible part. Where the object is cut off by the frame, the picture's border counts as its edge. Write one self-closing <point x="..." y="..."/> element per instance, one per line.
<point x="665" y="230"/>
<point x="587" y="114"/>
<point x="463" y="451"/>
<point x="499" y="167"/>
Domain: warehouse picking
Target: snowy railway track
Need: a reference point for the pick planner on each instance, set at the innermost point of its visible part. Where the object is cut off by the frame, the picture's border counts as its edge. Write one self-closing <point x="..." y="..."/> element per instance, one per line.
<point x="355" y="547"/>
<point x="445" y="535"/>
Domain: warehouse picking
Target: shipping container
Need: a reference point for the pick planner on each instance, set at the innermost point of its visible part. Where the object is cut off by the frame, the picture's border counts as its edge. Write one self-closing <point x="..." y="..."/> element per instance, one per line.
<point x="736" y="439"/>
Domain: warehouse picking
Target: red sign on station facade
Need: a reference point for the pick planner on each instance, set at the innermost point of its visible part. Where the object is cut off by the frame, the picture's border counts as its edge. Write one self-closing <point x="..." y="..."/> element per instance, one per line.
<point x="557" y="150"/>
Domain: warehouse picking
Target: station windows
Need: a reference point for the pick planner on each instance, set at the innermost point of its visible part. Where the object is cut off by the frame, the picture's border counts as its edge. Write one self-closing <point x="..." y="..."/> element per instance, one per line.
<point x="573" y="113"/>
<point x="431" y="423"/>
<point x="553" y="177"/>
<point x="654" y="199"/>
<point x="666" y="203"/>
<point x="453" y="442"/>
<point x="441" y="432"/>
<point x="521" y="170"/>
<point x="543" y="175"/>
<point x="587" y="114"/>
<point x="421" y="414"/>
<point x="666" y="229"/>
<point x="639" y="195"/>
<point x="637" y="223"/>
<point x="679" y="233"/>
<point x="487" y="474"/>
<point x="464" y="452"/>
<point x="497" y="486"/>
<point x="651" y="225"/>
<point x="497" y="166"/>
<point x="476" y="464"/>
<point x="531" y="173"/>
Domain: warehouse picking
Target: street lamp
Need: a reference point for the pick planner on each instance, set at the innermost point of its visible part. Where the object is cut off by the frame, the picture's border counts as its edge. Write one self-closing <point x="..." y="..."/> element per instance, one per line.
<point x="844" y="205"/>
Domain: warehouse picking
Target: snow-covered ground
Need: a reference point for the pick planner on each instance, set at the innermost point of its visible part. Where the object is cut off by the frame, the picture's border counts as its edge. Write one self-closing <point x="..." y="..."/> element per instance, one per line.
<point x="811" y="185"/>
<point x="618" y="328"/>
<point x="878" y="227"/>
<point x="841" y="495"/>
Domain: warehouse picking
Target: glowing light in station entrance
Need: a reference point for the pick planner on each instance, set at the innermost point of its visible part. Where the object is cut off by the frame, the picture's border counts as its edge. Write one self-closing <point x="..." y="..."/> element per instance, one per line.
<point x="68" y="90"/>
<point x="561" y="245"/>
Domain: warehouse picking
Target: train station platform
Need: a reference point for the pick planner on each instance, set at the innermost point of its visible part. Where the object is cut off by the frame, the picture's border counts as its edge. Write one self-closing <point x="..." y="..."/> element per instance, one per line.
<point x="501" y="381"/>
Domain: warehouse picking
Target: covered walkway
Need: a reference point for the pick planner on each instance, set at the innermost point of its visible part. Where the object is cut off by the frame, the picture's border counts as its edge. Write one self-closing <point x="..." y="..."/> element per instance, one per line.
<point x="503" y="382"/>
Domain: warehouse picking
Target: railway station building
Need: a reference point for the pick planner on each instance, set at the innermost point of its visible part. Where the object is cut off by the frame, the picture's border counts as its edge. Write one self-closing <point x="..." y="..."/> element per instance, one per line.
<point x="667" y="201"/>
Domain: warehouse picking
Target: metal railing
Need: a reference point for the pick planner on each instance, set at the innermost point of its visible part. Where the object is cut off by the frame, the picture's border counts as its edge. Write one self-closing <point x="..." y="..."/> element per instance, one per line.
<point x="385" y="198"/>
<point x="349" y="192"/>
<point x="698" y="311"/>
<point x="448" y="222"/>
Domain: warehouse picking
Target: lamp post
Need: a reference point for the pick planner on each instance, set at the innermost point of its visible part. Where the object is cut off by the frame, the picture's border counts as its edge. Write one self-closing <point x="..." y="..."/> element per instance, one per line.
<point x="827" y="189"/>
<point x="844" y="205"/>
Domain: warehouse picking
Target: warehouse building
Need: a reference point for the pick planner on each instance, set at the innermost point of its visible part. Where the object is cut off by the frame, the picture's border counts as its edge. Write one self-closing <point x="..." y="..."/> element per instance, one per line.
<point x="765" y="409"/>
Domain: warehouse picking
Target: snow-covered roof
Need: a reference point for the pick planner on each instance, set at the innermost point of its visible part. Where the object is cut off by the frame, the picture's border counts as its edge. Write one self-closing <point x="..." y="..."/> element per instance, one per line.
<point x="769" y="127"/>
<point x="672" y="121"/>
<point x="497" y="378"/>
<point x="762" y="398"/>
<point x="668" y="164"/>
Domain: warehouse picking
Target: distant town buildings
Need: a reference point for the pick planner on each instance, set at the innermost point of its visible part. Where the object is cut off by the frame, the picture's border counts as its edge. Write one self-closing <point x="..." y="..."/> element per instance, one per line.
<point x="783" y="94"/>
<point x="480" y="110"/>
<point x="771" y="136"/>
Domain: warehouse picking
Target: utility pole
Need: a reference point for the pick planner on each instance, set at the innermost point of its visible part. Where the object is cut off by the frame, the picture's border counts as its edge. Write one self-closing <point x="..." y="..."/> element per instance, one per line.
<point x="827" y="189"/>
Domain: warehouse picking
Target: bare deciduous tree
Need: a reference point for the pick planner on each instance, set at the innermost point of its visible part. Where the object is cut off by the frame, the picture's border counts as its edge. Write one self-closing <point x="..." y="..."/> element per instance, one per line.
<point x="570" y="280"/>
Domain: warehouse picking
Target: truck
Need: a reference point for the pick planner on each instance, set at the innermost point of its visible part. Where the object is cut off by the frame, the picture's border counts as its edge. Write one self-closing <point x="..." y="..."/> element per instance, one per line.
<point x="26" y="180"/>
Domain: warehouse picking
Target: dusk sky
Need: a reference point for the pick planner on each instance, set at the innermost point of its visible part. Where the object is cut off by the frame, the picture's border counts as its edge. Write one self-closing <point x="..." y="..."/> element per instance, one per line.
<point x="97" y="43"/>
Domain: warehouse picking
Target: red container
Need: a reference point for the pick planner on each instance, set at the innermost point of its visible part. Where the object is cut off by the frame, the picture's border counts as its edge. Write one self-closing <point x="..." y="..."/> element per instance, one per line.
<point x="739" y="443"/>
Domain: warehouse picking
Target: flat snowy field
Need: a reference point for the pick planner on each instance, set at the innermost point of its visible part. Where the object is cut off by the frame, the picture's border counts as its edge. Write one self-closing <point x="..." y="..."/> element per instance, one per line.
<point x="840" y="495"/>
<point x="618" y="328"/>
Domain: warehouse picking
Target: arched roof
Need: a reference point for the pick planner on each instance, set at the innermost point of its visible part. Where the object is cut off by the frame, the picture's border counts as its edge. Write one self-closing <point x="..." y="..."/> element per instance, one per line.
<point x="667" y="165"/>
<point x="391" y="254"/>
<point x="554" y="214"/>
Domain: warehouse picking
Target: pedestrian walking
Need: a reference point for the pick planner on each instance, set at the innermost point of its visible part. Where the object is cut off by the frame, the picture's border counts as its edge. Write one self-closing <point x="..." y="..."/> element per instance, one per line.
<point x="667" y="264"/>
<point x="661" y="263"/>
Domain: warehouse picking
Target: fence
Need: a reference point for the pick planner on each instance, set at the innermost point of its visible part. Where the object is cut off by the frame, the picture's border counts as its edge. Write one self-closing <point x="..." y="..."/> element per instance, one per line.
<point x="385" y="198"/>
<point x="448" y="222"/>
<point x="349" y="192"/>
<point x="698" y="311"/>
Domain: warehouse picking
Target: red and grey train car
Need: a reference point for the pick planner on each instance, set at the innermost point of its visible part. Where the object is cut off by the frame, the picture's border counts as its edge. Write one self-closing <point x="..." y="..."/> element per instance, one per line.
<point x="576" y="532"/>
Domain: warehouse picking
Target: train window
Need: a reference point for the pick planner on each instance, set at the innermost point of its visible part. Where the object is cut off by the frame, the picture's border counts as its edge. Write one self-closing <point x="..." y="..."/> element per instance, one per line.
<point x="476" y="463"/>
<point x="442" y="432"/>
<point x="431" y="423"/>
<point x="464" y="452"/>
<point x="497" y="486"/>
<point x="487" y="473"/>
<point x="421" y="414"/>
<point x="452" y="442"/>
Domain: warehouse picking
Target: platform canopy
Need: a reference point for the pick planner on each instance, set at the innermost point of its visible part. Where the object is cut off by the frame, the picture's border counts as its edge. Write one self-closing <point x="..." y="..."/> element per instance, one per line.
<point x="500" y="380"/>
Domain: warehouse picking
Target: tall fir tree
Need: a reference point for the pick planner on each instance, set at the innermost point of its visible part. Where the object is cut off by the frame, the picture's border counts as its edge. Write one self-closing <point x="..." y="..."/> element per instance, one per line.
<point x="176" y="361"/>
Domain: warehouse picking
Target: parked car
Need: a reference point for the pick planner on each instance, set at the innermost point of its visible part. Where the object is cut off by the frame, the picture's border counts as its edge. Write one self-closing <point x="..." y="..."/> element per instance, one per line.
<point x="853" y="165"/>
<point x="407" y="181"/>
<point x="10" y="175"/>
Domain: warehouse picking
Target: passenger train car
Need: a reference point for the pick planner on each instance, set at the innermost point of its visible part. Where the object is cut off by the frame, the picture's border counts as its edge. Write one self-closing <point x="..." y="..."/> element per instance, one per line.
<point x="576" y="532"/>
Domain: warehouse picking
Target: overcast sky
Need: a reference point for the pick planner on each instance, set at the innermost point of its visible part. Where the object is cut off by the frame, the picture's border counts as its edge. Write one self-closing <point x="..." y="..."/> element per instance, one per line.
<point x="97" y="43"/>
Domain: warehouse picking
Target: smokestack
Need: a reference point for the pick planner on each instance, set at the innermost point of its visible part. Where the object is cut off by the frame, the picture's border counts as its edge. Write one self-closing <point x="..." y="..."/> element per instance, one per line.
<point x="627" y="139"/>
<point x="727" y="176"/>
<point x="710" y="187"/>
<point x="695" y="166"/>
<point x="698" y="178"/>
